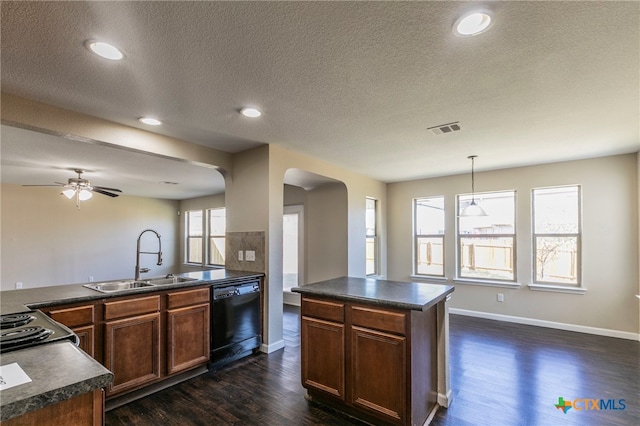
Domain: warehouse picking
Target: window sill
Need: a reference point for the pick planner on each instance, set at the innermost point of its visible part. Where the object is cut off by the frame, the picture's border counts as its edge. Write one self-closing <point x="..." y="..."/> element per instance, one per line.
<point x="429" y="278"/>
<point x="506" y="284"/>
<point x="557" y="288"/>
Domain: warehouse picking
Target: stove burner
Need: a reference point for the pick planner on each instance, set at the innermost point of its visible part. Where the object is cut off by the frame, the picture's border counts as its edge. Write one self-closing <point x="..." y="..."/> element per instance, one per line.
<point x="24" y="335"/>
<point x="15" y="320"/>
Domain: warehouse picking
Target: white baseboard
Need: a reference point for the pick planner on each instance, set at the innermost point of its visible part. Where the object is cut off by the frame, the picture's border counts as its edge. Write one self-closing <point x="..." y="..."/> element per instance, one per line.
<point x="445" y="400"/>
<point x="267" y="349"/>
<point x="548" y="324"/>
<point x="289" y="298"/>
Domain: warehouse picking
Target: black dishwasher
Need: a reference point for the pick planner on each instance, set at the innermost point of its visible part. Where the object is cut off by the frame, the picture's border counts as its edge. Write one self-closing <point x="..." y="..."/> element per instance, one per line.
<point x="235" y="322"/>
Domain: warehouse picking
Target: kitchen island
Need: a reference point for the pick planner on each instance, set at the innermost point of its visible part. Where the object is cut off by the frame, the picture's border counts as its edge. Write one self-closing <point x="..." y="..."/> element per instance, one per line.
<point x="376" y="349"/>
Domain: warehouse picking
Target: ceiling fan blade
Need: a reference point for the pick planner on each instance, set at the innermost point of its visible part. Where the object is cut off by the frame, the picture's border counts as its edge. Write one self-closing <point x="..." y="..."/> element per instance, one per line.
<point x="100" y="191"/>
<point x="44" y="185"/>
<point x="104" y="188"/>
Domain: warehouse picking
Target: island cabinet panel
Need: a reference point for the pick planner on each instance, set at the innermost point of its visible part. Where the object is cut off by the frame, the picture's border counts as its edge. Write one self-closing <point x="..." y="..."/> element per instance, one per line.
<point x="80" y="320"/>
<point x="323" y="356"/>
<point x="377" y="377"/>
<point x="188" y="325"/>
<point x="370" y="361"/>
<point x="132" y="351"/>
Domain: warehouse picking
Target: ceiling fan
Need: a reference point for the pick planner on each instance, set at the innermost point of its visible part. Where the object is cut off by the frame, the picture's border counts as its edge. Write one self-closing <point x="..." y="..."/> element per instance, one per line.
<point x="81" y="189"/>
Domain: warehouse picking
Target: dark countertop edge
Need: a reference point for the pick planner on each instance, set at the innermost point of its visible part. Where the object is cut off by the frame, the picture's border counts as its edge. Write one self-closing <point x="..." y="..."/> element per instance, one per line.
<point x="91" y="295"/>
<point x="36" y="402"/>
<point x="79" y="372"/>
<point x="310" y="290"/>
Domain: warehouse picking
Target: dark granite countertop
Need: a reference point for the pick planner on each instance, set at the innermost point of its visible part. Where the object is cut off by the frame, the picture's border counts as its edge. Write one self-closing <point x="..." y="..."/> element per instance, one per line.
<point x="393" y="294"/>
<point x="14" y="301"/>
<point x="58" y="371"/>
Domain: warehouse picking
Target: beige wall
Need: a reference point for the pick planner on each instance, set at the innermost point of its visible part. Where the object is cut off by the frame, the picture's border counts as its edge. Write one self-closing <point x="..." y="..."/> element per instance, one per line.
<point x="46" y="241"/>
<point x="610" y="241"/>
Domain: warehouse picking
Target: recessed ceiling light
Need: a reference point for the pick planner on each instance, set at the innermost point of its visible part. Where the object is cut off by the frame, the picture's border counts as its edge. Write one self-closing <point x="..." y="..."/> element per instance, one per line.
<point x="104" y="50"/>
<point x="473" y="23"/>
<point x="251" y="112"/>
<point x="150" y="121"/>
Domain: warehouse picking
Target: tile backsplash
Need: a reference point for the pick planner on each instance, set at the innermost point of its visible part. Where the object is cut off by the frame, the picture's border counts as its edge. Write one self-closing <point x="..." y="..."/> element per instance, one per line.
<point x="245" y="241"/>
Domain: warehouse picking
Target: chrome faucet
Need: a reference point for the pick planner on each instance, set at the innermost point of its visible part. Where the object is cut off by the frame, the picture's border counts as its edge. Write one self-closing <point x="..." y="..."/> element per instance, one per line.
<point x="138" y="253"/>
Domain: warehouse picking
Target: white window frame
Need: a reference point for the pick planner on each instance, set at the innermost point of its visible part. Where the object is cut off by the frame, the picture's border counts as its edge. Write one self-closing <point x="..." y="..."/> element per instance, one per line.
<point x="373" y="237"/>
<point x="513" y="236"/>
<point x="210" y="237"/>
<point x="205" y="238"/>
<point x="578" y="236"/>
<point x="188" y="237"/>
<point x="416" y="238"/>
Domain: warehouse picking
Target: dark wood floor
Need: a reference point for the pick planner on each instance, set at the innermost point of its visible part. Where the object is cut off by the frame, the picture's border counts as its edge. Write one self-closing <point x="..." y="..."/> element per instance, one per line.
<point x="501" y="374"/>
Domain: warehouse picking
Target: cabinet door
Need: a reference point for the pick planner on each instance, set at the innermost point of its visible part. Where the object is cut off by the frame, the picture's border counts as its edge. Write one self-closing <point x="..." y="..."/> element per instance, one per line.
<point x="80" y="320"/>
<point x="85" y="334"/>
<point x="187" y="337"/>
<point x="377" y="376"/>
<point x="323" y="356"/>
<point x="132" y="351"/>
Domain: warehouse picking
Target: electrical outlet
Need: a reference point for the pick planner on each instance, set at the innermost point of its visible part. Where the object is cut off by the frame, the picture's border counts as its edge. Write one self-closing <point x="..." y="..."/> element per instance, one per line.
<point x="90" y="278"/>
<point x="240" y="255"/>
<point x="500" y="297"/>
<point x="251" y="256"/>
<point x="18" y="285"/>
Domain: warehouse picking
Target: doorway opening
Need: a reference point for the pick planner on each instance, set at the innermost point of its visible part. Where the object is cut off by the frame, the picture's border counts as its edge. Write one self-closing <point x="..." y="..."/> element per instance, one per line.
<point x="292" y="247"/>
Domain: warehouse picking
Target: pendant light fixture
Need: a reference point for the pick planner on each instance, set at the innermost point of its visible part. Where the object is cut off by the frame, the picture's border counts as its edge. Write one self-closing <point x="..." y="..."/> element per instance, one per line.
<point x="473" y="209"/>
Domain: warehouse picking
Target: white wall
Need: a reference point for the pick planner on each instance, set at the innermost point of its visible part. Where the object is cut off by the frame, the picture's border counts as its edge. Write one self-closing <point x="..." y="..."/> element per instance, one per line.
<point x="47" y="241"/>
<point x="610" y="241"/>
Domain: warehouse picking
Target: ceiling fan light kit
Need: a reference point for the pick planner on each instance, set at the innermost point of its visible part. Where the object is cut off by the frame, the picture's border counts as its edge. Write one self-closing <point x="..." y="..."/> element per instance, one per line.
<point x="81" y="189"/>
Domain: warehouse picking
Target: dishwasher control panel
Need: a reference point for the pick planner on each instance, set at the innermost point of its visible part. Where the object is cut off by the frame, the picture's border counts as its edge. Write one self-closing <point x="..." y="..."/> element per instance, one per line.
<point x="237" y="290"/>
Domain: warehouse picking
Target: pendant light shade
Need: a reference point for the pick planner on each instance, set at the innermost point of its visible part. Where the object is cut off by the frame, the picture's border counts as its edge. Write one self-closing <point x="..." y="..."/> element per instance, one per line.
<point x="473" y="209"/>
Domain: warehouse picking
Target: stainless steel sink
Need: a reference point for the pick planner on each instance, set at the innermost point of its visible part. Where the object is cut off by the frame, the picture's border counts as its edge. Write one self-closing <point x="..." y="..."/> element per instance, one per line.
<point x="113" y="286"/>
<point x="170" y="280"/>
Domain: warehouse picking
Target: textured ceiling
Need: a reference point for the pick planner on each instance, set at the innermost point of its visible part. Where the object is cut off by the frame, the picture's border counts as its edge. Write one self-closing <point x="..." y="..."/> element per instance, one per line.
<point x="356" y="84"/>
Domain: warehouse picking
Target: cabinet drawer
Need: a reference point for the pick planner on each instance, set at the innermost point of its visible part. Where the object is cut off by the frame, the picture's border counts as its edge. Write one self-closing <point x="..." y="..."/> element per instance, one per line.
<point x="74" y="317"/>
<point x="188" y="297"/>
<point x="332" y="311"/>
<point x="393" y="322"/>
<point x="131" y="307"/>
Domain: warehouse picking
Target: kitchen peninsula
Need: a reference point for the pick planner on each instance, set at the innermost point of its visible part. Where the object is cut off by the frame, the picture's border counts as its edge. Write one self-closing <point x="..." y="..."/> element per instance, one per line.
<point x="376" y="349"/>
<point x="167" y="325"/>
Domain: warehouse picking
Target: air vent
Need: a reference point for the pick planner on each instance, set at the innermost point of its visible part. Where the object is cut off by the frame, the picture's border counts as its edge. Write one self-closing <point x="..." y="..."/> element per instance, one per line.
<point x="445" y="128"/>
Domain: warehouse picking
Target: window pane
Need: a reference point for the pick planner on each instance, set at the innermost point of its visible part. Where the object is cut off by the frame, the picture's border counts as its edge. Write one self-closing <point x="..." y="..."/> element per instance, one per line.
<point x="430" y="256"/>
<point x="217" y="222"/>
<point x="556" y="210"/>
<point x="557" y="259"/>
<point x="500" y="209"/>
<point x="371" y="256"/>
<point x="194" y="223"/>
<point x="370" y="217"/>
<point x="194" y="250"/>
<point x="216" y="251"/>
<point x="429" y="218"/>
<point x="486" y="258"/>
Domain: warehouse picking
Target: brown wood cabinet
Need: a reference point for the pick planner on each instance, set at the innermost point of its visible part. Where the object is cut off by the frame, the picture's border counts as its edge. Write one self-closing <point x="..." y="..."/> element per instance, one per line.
<point x="369" y="361"/>
<point x="145" y="338"/>
<point x="323" y="350"/>
<point x="81" y="321"/>
<point x="86" y="409"/>
<point x="187" y="329"/>
<point x="132" y="342"/>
